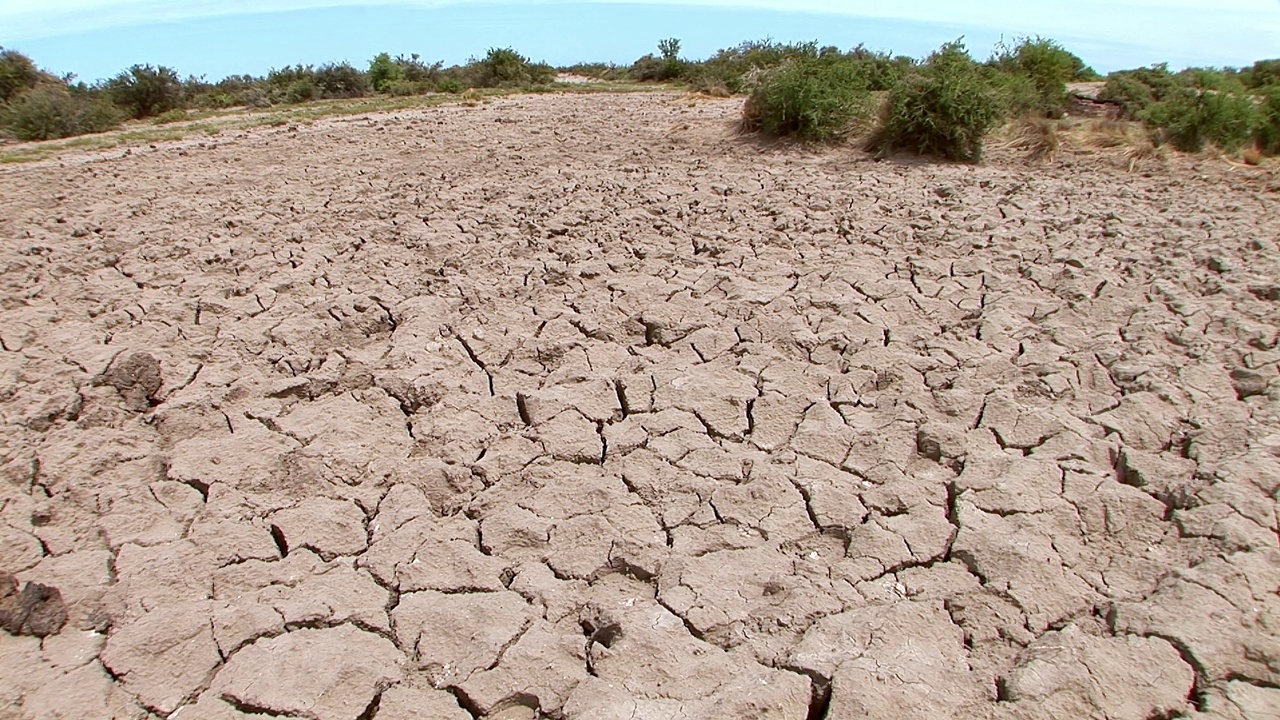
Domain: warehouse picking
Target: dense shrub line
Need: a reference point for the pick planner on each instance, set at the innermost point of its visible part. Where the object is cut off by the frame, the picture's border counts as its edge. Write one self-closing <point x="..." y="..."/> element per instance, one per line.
<point x="947" y="104"/>
<point x="943" y="105"/>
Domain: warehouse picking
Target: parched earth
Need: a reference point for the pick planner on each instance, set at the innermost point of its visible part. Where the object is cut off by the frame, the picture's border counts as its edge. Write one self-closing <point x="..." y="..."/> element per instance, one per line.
<point x="584" y="407"/>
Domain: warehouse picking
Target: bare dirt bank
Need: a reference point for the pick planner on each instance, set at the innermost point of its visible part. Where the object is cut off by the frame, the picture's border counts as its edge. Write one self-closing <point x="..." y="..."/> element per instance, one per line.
<point x="584" y="407"/>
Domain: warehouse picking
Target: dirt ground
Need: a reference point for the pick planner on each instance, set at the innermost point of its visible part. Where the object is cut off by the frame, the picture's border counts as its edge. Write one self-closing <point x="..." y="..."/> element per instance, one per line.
<point x="584" y="407"/>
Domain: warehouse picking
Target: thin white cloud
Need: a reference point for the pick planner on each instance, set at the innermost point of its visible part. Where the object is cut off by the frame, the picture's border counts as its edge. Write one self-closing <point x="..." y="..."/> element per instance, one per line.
<point x="1146" y="22"/>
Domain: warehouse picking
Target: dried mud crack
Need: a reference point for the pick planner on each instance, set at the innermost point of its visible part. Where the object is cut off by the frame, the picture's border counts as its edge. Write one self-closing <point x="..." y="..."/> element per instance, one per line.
<point x="604" y="411"/>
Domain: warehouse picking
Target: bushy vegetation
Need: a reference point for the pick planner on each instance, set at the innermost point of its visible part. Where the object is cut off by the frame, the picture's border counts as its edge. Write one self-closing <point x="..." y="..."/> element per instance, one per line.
<point x="740" y="69"/>
<point x="664" y="67"/>
<point x="1033" y="75"/>
<point x="49" y="111"/>
<point x="1268" y="133"/>
<point x="143" y="91"/>
<point x="1134" y="90"/>
<point x="1263" y="74"/>
<point x="504" y="67"/>
<point x="599" y="71"/>
<point x="1198" y="107"/>
<point x="946" y="108"/>
<point x="337" y="81"/>
<point x="383" y="71"/>
<point x="1190" y="119"/>
<point x="814" y="98"/>
<point x="17" y="73"/>
<point x="944" y="105"/>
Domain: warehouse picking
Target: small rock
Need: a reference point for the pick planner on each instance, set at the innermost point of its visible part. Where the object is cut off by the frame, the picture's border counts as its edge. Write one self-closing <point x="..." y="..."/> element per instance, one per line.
<point x="37" y="610"/>
<point x="1266" y="292"/>
<point x="936" y="442"/>
<point x="1124" y="373"/>
<point x="1249" y="382"/>
<point x="136" y="378"/>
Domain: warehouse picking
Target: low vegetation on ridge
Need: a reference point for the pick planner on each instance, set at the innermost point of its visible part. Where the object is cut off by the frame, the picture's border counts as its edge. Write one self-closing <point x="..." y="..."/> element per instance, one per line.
<point x="944" y="105"/>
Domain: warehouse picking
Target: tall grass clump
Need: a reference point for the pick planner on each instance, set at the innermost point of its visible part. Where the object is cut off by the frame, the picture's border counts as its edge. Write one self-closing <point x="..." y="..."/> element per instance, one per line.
<point x="945" y="109"/>
<point x="811" y="99"/>
<point x="50" y="111"/>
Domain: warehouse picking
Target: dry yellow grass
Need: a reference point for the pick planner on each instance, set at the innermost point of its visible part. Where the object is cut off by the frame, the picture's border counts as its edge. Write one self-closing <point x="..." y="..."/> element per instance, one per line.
<point x="1037" y="138"/>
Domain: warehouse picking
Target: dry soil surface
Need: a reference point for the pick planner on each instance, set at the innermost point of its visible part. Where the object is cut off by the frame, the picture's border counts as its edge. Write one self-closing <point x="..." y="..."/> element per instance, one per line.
<point x="583" y="407"/>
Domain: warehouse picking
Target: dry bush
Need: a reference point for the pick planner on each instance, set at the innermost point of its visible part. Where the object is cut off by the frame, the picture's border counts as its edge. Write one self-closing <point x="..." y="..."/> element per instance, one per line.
<point x="1146" y="150"/>
<point x="1037" y="137"/>
<point x="1108" y="133"/>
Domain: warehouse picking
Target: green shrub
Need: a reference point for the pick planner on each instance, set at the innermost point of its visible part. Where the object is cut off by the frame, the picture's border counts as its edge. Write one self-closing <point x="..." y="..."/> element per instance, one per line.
<point x="1203" y="78"/>
<point x="1018" y="94"/>
<point x="1267" y="133"/>
<point x="1047" y="65"/>
<point x="143" y="91"/>
<point x="172" y="116"/>
<point x="300" y="91"/>
<point x="451" y="86"/>
<point x="649" y="69"/>
<point x="228" y="92"/>
<point x="17" y="74"/>
<point x="945" y="109"/>
<point x="413" y="70"/>
<point x="1264" y="73"/>
<point x="383" y="71"/>
<point x="49" y="111"/>
<point x="812" y="99"/>
<point x="279" y="80"/>
<point x="737" y="69"/>
<point x="340" y="81"/>
<point x="1191" y="119"/>
<point x="504" y="67"/>
<point x="667" y="66"/>
<point x="599" y="71"/>
<point x="882" y="70"/>
<point x="405" y="88"/>
<point x="255" y="97"/>
<point x="1135" y="90"/>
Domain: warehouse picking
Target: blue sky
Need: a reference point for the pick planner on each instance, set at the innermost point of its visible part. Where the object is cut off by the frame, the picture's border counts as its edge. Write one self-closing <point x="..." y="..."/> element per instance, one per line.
<point x="97" y="38"/>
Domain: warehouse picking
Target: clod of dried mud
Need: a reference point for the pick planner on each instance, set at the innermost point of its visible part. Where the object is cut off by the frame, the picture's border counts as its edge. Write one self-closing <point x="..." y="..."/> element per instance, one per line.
<point x="586" y="407"/>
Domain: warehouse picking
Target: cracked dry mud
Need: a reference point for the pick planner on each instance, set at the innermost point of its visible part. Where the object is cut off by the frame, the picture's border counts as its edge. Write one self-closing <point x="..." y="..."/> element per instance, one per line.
<point x="584" y="407"/>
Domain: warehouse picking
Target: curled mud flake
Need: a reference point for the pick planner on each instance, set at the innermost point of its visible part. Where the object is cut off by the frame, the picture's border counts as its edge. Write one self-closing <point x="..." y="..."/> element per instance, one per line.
<point x="35" y="610"/>
<point x="136" y="377"/>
